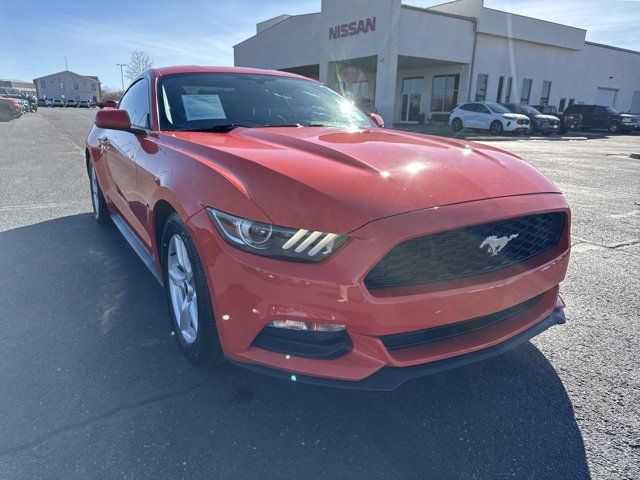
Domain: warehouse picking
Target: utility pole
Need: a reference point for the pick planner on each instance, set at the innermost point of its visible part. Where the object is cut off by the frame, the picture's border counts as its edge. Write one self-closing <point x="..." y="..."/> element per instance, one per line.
<point x="121" y="74"/>
<point x="66" y="65"/>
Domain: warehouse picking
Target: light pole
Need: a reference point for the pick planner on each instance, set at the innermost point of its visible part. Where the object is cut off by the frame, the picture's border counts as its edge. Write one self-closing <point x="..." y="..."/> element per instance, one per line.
<point x="121" y="74"/>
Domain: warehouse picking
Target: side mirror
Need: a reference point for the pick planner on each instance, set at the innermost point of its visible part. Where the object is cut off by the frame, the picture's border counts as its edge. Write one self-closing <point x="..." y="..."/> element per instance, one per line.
<point x="116" y="119"/>
<point x="377" y="119"/>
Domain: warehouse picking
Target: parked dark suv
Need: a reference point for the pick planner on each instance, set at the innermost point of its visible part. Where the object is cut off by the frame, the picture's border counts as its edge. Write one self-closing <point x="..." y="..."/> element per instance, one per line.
<point x="605" y="118"/>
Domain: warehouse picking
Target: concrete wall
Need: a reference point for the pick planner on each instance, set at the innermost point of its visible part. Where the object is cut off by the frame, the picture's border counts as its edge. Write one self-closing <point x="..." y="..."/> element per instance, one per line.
<point x="503" y="24"/>
<point x="52" y="88"/>
<point x="574" y="74"/>
<point x="292" y="42"/>
<point x="431" y="35"/>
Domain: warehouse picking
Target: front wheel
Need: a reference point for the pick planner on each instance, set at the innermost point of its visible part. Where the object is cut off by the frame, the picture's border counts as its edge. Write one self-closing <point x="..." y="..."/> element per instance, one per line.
<point x="496" y="127"/>
<point x="100" y="211"/>
<point x="187" y="293"/>
<point x="456" y="125"/>
<point x="614" y="127"/>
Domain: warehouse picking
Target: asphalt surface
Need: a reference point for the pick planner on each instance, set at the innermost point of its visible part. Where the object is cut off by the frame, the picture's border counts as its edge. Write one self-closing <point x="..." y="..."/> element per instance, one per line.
<point x="93" y="386"/>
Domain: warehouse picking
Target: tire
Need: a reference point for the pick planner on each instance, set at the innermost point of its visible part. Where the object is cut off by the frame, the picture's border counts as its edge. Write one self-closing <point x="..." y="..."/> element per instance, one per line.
<point x="456" y="125"/>
<point x="185" y="281"/>
<point x="100" y="210"/>
<point x="496" y="127"/>
<point x="614" y="127"/>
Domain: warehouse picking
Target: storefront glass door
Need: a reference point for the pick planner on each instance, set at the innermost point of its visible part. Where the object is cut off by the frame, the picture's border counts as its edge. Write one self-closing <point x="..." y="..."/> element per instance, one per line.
<point x="411" y="99"/>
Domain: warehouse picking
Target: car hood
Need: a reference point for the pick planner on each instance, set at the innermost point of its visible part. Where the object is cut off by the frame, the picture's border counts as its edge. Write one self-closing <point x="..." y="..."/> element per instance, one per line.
<point x="549" y="118"/>
<point x="337" y="180"/>
<point x="515" y="116"/>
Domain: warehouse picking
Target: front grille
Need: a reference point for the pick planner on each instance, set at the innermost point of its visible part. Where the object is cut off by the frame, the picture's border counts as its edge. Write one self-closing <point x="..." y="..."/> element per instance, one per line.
<point x="397" y="341"/>
<point x="467" y="251"/>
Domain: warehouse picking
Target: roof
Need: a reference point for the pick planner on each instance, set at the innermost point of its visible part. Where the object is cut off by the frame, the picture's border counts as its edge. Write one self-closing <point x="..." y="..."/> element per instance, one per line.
<point x="88" y="77"/>
<point x="213" y="69"/>
<point x="602" y="45"/>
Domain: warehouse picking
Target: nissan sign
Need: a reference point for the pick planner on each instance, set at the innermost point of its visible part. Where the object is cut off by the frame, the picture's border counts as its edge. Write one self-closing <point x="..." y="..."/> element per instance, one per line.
<point x="353" y="28"/>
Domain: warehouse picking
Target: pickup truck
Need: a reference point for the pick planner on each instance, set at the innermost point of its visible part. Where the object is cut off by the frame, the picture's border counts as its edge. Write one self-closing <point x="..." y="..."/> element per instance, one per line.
<point x="106" y="103"/>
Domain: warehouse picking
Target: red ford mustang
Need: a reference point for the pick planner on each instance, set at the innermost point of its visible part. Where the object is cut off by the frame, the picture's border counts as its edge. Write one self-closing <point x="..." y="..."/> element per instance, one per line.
<point x="295" y="236"/>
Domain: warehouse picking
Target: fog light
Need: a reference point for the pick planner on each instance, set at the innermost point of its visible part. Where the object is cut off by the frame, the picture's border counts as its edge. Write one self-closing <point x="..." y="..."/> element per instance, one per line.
<point x="309" y="326"/>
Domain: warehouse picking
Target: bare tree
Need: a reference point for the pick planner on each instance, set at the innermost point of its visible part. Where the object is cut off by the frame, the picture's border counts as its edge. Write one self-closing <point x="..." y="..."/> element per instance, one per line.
<point x="109" y="93"/>
<point x="140" y="61"/>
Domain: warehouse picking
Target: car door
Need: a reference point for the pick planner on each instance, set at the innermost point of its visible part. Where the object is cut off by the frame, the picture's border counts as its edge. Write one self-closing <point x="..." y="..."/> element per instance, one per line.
<point x="470" y="118"/>
<point x="123" y="147"/>
<point x="587" y="113"/>
<point x="483" y="116"/>
<point x="600" y="117"/>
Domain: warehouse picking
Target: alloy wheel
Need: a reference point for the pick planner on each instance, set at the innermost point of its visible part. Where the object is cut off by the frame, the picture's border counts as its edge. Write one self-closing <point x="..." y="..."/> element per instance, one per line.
<point x="182" y="289"/>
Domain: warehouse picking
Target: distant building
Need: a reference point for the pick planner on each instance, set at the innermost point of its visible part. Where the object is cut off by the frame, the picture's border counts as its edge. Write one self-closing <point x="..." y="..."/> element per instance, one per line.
<point x="26" y="87"/>
<point x="69" y="86"/>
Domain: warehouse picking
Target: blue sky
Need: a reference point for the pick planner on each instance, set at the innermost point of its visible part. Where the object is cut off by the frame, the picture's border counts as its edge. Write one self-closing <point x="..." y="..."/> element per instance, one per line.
<point x="95" y="36"/>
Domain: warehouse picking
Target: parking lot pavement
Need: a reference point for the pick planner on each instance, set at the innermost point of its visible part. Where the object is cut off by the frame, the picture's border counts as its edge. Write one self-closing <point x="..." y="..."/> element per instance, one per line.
<point x="94" y="387"/>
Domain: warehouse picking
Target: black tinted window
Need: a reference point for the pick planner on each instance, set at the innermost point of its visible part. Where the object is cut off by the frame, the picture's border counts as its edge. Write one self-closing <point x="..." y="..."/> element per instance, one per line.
<point x="136" y="103"/>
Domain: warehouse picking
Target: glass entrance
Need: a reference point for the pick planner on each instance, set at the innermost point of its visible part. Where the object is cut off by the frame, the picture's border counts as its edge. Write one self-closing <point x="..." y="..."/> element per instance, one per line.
<point x="411" y="99"/>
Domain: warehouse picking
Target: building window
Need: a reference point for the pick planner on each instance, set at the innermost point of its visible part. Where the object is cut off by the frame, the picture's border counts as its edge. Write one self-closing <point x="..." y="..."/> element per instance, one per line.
<point x="43" y="84"/>
<point x="61" y="85"/>
<point x="75" y="86"/>
<point x="481" y="87"/>
<point x="93" y="87"/>
<point x="444" y="93"/>
<point x="526" y="91"/>
<point x="500" y="85"/>
<point x="563" y="102"/>
<point x="546" y="91"/>
<point x="411" y="99"/>
<point x="507" y="98"/>
<point x="360" y="89"/>
<point x="571" y="102"/>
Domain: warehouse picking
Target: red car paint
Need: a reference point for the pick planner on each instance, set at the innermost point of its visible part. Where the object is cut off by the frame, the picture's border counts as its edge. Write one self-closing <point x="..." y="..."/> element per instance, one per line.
<point x="378" y="186"/>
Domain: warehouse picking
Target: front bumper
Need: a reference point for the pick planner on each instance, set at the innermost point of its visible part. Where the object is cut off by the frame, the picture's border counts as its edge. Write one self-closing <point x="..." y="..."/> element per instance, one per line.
<point x="390" y="378"/>
<point x="249" y="291"/>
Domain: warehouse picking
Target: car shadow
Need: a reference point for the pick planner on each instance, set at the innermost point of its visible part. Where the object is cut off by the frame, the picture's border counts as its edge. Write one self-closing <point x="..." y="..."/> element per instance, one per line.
<point x="89" y="366"/>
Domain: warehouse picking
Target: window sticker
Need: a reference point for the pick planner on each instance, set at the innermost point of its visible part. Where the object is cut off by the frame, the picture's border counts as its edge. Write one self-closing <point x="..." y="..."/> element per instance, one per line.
<point x="203" y="107"/>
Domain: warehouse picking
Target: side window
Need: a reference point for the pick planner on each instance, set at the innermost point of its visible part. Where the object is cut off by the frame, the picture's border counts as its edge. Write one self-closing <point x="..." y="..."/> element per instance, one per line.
<point x="563" y="102"/>
<point x="482" y="108"/>
<point x="469" y="107"/>
<point x="136" y="103"/>
<point x="600" y="111"/>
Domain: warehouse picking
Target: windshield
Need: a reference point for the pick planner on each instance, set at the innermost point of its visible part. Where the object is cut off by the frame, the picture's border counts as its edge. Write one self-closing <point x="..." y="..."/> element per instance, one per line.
<point x="612" y="110"/>
<point x="497" y="108"/>
<point x="205" y="101"/>
<point x="530" y="110"/>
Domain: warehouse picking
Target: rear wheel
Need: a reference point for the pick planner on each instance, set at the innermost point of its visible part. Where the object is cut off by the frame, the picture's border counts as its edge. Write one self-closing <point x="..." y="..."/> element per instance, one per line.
<point x="496" y="127"/>
<point x="456" y="125"/>
<point x="100" y="211"/>
<point x="187" y="293"/>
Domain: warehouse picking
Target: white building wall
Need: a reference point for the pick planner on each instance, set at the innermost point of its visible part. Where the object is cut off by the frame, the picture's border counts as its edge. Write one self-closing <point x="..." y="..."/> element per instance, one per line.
<point x="573" y="74"/>
<point x="292" y="42"/>
<point x="431" y="35"/>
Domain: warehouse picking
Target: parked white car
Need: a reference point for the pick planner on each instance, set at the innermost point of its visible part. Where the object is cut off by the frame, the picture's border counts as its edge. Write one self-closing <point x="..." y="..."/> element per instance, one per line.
<point x="488" y="116"/>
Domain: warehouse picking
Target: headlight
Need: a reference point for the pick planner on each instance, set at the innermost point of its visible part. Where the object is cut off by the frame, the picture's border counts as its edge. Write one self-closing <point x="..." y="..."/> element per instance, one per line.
<point x="274" y="241"/>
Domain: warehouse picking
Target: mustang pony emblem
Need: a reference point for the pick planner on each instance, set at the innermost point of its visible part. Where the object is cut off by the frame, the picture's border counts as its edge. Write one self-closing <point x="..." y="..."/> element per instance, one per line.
<point x="496" y="244"/>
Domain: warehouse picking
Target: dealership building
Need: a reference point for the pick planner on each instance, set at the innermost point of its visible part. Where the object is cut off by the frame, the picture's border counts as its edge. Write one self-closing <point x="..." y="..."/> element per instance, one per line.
<point x="417" y="64"/>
